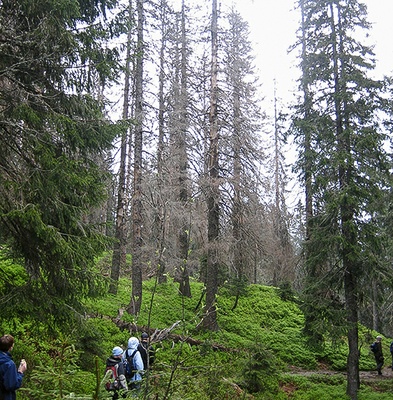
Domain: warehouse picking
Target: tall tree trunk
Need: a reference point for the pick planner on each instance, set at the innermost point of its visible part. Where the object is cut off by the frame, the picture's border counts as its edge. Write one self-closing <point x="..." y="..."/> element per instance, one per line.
<point x="213" y="196"/>
<point x="159" y="218"/>
<point x="137" y="219"/>
<point x="119" y="248"/>
<point x="237" y="197"/>
<point x="351" y="303"/>
<point x="347" y="213"/>
<point x="312" y="273"/>
<point x="277" y="263"/>
<point x="184" y="233"/>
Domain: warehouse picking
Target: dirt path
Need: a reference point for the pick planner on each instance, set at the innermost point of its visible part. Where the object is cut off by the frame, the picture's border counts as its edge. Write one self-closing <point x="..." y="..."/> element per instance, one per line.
<point x="370" y="378"/>
<point x="387" y="373"/>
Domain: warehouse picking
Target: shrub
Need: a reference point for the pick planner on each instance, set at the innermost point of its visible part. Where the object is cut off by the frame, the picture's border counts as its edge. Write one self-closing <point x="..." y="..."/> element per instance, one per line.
<point x="260" y="371"/>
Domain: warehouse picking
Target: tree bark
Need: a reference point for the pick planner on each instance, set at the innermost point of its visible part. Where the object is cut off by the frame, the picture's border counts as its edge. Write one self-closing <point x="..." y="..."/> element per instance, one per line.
<point x="137" y="219"/>
<point x="375" y="308"/>
<point x="210" y="319"/>
<point x="119" y="248"/>
<point x="184" y="234"/>
<point x="160" y="212"/>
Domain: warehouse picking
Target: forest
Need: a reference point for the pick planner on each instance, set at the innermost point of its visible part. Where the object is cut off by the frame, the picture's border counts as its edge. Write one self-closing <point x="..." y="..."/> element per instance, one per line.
<point x="144" y="187"/>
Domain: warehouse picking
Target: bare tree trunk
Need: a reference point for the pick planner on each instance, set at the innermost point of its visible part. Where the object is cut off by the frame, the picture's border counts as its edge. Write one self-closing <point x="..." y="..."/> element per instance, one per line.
<point x="237" y="197"/>
<point x="159" y="219"/>
<point x="119" y="248"/>
<point x="213" y="196"/>
<point x="184" y="233"/>
<point x="277" y="263"/>
<point x="137" y="219"/>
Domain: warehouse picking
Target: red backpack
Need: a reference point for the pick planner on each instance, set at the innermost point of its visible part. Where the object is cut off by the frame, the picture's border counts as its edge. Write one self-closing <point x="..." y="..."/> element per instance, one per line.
<point x="111" y="377"/>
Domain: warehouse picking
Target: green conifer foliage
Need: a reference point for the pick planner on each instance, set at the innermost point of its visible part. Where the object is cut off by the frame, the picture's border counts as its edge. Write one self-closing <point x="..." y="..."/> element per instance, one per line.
<point x="53" y="134"/>
<point x="349" y="168"/>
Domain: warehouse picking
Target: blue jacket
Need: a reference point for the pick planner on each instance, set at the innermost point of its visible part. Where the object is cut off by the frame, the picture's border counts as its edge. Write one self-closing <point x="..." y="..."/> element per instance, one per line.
<point x="10" y="378"/>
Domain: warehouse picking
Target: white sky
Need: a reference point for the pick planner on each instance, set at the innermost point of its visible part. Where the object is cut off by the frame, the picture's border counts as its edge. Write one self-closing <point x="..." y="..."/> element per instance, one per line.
<point x="273" y="25"/>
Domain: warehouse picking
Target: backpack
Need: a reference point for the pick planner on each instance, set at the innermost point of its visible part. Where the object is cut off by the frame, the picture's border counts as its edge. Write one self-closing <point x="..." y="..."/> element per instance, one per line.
<point x="373" y="347"/>
<point x="112" y="379"/>
<point x="391" y="348"/>
<point x="129" y="365"/>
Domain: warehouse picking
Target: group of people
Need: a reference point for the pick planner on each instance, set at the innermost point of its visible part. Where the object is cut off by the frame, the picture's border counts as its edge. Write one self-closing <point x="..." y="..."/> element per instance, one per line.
<point x="376" y="348"/>
<point x="140" y="354"/>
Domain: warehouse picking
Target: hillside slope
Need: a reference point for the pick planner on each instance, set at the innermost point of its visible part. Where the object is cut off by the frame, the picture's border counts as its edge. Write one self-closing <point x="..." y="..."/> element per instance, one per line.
<point x="259" y="351"/>
<point x="263" y="351"/>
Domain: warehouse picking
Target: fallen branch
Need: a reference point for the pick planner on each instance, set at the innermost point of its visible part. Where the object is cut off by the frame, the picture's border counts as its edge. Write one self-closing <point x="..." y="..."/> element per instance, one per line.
<point x="158" y="335"/>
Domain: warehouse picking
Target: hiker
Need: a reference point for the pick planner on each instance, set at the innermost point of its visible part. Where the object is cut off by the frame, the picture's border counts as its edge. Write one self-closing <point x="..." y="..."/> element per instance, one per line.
<point x="10" y="376"/>
<point x="134" y="362"/>
<point x="146" y="350"/>
<point x="120" y="384"/>
<point x="376" y="348"/>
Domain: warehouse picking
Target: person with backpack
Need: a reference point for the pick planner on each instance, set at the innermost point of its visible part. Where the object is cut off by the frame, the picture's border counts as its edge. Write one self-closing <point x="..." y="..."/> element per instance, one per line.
<point x="376" y="348"/>
<point x="146" y="350"/>
<point x="10" y="376"/>
<point x="133" y="362"/>
<point x="115" y="374"/>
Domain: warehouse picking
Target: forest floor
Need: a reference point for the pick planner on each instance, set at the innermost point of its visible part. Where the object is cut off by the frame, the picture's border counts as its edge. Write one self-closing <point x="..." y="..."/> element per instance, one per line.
<point x="387" y="373"/>
<point x="369" y="378"/>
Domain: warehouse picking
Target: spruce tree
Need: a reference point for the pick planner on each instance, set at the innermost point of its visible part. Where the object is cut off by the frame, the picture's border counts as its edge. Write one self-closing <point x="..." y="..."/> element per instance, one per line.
<point x="52" y="131"/>
<point x="350" y="170"/>
<point x="241" y="121"/>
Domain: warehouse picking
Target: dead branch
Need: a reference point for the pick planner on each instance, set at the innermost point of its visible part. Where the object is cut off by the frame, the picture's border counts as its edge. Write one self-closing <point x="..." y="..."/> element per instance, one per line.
<point x="158" y="335"/>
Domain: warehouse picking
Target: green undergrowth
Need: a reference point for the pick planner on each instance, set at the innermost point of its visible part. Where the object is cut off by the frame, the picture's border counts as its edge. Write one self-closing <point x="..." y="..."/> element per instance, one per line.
<point x="259" y="352"/>
<point x="260" y="316"/>
<point x="260" y="339"/>
<point x="330" y="387"/>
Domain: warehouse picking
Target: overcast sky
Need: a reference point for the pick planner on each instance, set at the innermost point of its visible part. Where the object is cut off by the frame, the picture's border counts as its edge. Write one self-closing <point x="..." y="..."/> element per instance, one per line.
<point x="273" y="26"/>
